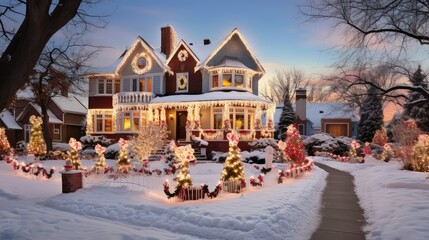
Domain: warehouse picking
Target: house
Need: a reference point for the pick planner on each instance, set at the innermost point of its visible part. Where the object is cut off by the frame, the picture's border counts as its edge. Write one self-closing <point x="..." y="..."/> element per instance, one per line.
<point x="174" y="88"/>
<point x="334" y="118"/>
<point x="66" y="117"/>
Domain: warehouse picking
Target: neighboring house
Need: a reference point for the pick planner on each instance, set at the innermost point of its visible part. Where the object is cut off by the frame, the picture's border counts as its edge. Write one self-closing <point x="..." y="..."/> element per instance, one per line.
<point x="334" y="118"/>
<point x="173" y="87"/>
<point x="66" y="117"/>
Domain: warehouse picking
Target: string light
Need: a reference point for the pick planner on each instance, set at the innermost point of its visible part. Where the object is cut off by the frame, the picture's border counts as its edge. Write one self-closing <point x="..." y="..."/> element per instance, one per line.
<point x="37" y="144"/>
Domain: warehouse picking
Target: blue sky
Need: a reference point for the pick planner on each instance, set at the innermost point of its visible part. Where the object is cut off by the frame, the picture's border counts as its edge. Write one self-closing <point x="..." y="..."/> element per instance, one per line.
<point x="275" y="30"/>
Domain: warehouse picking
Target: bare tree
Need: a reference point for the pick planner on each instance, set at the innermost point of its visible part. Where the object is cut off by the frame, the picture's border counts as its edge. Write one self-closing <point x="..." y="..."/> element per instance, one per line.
<point x="287" y="80"/>
<point x="391" y="25"/>
<point x="60" y="70"/>
<point x="40" y="20"/>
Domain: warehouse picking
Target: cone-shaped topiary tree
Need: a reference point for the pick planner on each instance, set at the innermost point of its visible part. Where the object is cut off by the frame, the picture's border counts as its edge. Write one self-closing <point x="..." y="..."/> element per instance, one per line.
<point x="123" y="163"/>
<point x="233" y="169"/>
<point x="37" y="144"/>
<point x="184" y="154"/>
<point x="101" y="162"/>
<point x="73" y="153"/>
<point x="4" y="143"/>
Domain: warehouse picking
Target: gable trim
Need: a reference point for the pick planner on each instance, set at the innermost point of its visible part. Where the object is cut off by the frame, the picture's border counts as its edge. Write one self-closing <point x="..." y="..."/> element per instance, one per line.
<point x="148" y="48"/>
<point x="225" y="41"/>
<point x="183" y="43"/>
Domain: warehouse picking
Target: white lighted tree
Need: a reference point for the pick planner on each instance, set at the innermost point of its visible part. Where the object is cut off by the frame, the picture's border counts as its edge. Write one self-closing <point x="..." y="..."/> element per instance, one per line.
<point x="149" y="139"/>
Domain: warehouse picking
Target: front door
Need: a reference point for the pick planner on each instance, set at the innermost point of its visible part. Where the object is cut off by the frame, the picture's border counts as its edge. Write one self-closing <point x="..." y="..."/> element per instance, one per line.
<point x="181" y="125"/>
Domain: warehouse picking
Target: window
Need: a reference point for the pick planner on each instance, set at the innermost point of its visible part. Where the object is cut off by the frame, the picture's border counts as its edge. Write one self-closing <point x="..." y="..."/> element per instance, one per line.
<point x="226" y="80"/>
<point x="105" y="86"/>
<point x="143" y="84"/>
<point x="239" y="80"/>
<point x="117" y="85"/>
<point x="231" y="79"/>
<point x="103" y="123"/>
<point x="27" y="131"/>
<point x="217" y="118"/>
<point x="240" y="118"/>
<point x="182" y="82"/>
<point x="215" y="80"/>
<point x="130" y="121"/>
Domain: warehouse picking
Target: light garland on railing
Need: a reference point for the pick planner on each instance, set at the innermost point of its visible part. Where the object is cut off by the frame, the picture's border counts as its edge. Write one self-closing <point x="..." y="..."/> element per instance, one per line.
<point x="211" y="134"/>
<point x="295" y="170"/>
<point x="29" y="168"/>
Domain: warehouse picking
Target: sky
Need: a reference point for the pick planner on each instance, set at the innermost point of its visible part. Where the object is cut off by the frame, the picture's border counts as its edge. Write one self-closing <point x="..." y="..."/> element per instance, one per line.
<point x="276" y="31"/>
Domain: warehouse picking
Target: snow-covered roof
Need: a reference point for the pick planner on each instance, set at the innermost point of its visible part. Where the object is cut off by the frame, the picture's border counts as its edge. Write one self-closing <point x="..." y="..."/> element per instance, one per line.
<point x="70" y="104"/>
<point x="316" y="111"/>
<point x="52" y="118"/>
<point x="8" y="119"/>
<point x="210" y="96"/>
<point x="231" y="62"/>
<point x="109" y="69"/>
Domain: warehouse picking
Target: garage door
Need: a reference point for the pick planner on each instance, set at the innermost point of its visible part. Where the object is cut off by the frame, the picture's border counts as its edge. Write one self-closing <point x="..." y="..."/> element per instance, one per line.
<point x="337" y="129"/>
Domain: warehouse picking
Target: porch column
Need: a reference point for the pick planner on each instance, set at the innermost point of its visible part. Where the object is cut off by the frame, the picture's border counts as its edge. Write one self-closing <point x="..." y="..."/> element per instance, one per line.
<point x="89" y="122"/>
<point x="189" y="122"/>
<point x="225" y="117"/>
<point x="258" y="115"/>
<point x="156" y="116"/>
<point x="197" y="116"/>
<point x="163" y="118"/>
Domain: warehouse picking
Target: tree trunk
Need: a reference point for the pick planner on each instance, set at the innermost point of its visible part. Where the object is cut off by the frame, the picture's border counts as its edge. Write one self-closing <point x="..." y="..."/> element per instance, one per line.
<point x="45" y="129"/>
<point x="22" y="53"/>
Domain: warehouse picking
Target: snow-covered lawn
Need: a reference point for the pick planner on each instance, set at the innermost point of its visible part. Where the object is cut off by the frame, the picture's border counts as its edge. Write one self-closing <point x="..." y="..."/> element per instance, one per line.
<point x="136" y="207"/>
<point x="395" y="202"/>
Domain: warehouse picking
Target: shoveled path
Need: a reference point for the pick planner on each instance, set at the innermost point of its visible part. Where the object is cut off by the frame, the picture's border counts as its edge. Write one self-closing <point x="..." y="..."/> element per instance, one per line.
<point x="342" y="217"/>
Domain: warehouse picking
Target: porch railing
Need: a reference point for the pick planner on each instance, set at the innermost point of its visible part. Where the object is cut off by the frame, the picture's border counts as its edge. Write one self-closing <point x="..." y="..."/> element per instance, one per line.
<point x="132" y="98"/>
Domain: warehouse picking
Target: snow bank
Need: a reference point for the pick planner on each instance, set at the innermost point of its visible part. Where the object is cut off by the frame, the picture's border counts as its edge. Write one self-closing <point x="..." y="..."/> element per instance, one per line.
<point x="395" y="201"/>
<point x="103" y="210"/>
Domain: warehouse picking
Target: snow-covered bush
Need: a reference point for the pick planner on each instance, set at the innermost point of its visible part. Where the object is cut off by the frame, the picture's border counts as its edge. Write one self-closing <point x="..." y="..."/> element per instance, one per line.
<point x="112" y="151"/>
<point x="56" y="155"/>
<point x="257" y="157"/>
<point x="91" y="141"/>
<point x="262" y="143"/>
<point x="327" y="143"/>
<point x="405" y="132"/>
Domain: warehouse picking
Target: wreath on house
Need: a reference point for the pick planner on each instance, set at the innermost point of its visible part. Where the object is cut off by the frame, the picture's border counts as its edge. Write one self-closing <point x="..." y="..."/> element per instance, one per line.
<point x="182" y="82"/>
<point x="141" y="63"/>
<point x="182" y="55"/>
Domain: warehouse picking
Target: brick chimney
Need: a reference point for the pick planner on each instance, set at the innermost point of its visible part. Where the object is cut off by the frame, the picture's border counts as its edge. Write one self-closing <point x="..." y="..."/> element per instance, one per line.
<point x="301" y="103"/>
<point x="168" y="40"/>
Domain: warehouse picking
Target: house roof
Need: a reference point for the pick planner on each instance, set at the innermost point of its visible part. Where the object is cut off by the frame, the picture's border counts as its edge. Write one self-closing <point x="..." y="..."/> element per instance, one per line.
<point x="316" y="111"/>
<point x="70" y="104"/>
<point x="52" y="118"/>
<point x="8" y="120"/>
<point x="225" y="41"/>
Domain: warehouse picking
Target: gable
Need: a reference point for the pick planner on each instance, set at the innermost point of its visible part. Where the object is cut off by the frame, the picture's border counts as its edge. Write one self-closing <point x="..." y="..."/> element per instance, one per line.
<point x="234" y="47"/>
<point x="127" y="67"/>
<point x="186" y="55"/>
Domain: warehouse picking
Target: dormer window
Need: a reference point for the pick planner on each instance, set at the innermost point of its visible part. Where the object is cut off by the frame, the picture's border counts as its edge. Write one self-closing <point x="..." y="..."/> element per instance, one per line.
<point x="231" y="79"/>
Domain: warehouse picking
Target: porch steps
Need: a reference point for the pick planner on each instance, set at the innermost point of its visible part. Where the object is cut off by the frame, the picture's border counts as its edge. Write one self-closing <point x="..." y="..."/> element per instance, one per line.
<point x="156" y="156"/>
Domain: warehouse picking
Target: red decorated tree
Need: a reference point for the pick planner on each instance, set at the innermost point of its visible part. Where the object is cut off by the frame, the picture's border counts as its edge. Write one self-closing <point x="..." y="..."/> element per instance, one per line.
<point x="380" y="137"/>
<point x="294" y="148"/>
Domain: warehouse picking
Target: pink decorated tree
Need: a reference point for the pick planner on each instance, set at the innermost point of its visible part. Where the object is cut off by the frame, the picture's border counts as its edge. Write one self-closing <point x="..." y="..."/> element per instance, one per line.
<point x="293" y="147"/>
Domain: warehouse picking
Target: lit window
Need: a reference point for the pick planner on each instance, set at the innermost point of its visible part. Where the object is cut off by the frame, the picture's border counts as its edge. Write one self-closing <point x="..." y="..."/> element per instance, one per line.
<point x="103" y="123"/>
<point x="117" y="85"/>
<point x="127" y="122"/>
<point x="136" y="121"/>
<point x="227" y="80"/>
<point x="149" y="84"/>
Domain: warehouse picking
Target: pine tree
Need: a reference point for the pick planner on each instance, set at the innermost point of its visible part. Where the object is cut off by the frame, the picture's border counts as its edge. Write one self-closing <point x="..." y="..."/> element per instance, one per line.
<point x="287" y="116"/>
<point x="371" y="116"/>
<point x="123" y="163"/>
<point x="417" y="106"/>
<point x="185" y="154"/>
<point x="420" y="156"/>
<point x="4" y="143"/>
<point x="233" y="169"/>
<point x="294" y="148"/>
<point x="73" y="153"/>
<point x="37" y="144"/>
<point x="169" y="152"/>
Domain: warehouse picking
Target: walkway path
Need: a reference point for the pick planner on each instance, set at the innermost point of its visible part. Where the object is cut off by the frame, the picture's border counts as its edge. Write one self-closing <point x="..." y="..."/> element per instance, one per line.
<point x="342" y="215"/>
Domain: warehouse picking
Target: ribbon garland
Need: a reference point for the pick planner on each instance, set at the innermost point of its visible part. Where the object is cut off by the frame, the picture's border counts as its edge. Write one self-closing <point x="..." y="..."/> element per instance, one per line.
<point x="29" y="168"/>
<point x="295" y="171"/>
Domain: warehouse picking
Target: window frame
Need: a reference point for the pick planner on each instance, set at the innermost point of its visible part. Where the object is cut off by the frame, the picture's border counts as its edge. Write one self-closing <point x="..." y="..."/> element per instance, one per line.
<point x="103" y="118"/>
<point x="246" y="83"/>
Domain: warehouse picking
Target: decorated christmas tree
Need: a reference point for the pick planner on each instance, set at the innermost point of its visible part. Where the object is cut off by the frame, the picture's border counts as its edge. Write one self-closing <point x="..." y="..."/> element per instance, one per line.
<point x="380" y="137"/>
<point x="294" y="148"/>
<point x="149" y="139"/>
<point x="123" y="162"/>
<point x="233" y="169"/>
<point x="185" y="154"/>
<point x="420" y="157"/>
<point x="37" y="144"/>
<point x="73" y="153"/>
<point x="4" y="143"/>
<point x="171" y="159"/>
<point x="101" y="162"/>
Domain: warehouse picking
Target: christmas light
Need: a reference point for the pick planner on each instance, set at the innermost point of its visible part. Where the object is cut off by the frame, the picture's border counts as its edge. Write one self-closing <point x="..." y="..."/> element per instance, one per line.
<point x="73" y="153"/>
<point x="123" y="163"/>
<point x="4" y="143"/>
<point x="420" y="155"/>
<point x="37" y="144"/>
<point x="233" y="169"/>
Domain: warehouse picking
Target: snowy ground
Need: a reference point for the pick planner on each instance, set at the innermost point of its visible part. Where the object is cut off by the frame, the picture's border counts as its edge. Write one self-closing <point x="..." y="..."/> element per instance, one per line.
<point x="136" y="207"/>
<point x="395" y="202"/>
